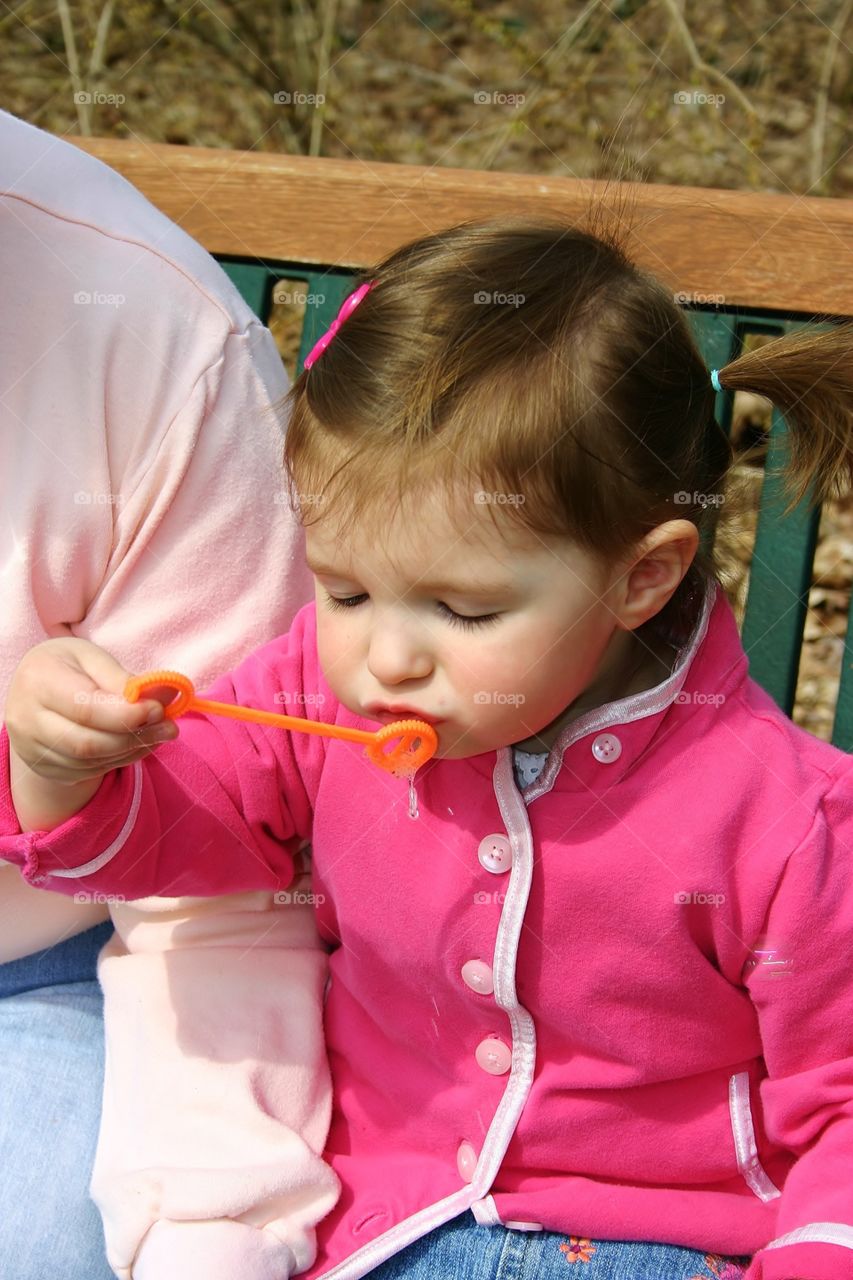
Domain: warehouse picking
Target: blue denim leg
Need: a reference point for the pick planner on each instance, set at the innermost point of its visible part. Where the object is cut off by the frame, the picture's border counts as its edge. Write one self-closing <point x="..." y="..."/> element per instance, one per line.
<point x="71" y="961"/>
<point x="460" y="1250"/>
<point x="464" y="1250"/>
<point x="52" y="1055"/>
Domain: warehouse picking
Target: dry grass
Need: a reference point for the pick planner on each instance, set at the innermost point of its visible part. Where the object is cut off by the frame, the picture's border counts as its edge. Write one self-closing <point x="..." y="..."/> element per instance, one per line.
<point x="582" y="89"/>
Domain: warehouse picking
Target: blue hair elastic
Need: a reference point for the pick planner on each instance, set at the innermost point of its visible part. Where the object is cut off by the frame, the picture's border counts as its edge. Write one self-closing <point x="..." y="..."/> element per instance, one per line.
<point x="715" y="379"/>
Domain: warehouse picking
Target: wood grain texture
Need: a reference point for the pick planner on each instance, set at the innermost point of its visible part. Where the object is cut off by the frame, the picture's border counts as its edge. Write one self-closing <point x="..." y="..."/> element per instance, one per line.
<point x="783" y="253"/>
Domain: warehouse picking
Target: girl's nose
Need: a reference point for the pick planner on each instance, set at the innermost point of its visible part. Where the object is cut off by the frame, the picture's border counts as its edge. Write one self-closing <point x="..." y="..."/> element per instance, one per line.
<point x="398" y="653"/>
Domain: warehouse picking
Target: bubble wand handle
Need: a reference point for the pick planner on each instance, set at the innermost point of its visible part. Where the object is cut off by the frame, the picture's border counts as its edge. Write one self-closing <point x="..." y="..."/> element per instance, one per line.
<point x="418" y="740"/>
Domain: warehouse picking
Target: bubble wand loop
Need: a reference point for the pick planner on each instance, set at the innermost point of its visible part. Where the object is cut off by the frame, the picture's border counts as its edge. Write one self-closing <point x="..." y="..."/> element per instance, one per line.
<point x="418" y="740"/>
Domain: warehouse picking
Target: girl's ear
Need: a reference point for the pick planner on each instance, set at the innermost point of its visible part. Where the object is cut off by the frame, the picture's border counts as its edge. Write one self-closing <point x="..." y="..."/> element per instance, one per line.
<point x="659" y="564"/>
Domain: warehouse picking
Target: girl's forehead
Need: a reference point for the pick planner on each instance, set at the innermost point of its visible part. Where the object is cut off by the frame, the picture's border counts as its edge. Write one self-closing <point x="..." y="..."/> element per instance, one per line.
<point x="411" y="543"/>
<point x="422" y="534"/>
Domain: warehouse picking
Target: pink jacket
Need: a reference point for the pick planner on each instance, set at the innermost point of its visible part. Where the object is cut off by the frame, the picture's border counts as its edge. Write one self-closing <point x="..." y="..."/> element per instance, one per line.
<point x="619" y="1004"/>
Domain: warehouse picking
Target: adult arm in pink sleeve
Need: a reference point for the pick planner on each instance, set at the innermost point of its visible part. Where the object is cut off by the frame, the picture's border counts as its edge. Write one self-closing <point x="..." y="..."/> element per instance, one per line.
<point x="196" y="561"/>
<point x="802" y="992"/>
<point x="207" y="561"/>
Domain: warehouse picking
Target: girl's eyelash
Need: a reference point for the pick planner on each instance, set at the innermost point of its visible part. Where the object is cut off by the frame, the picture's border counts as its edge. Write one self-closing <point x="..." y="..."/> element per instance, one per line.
<point x="459" y="619"/>
<point x="456" y="619"/>
<point x="348" y="602"/>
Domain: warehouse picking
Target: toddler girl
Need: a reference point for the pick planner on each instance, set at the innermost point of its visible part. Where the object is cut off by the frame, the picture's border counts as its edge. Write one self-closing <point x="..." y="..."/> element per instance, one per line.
<point x="591" y="1006"/>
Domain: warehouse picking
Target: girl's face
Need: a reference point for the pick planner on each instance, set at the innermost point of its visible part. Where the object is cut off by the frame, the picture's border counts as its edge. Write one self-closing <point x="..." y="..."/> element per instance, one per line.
<point x="490" y="636"/>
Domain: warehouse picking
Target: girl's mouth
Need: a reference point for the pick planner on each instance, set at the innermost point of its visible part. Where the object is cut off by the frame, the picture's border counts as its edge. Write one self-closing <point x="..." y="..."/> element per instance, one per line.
<point x="388" y="715"/>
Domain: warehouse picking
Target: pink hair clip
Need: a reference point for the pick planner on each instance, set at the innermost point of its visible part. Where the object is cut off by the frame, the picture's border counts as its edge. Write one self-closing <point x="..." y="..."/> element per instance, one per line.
<point x="347" y="307"/>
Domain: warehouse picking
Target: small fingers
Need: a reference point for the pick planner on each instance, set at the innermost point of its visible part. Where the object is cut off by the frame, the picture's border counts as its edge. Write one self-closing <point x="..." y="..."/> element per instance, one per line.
<point x="101" y="711"/>
<point x="81" y="748"/>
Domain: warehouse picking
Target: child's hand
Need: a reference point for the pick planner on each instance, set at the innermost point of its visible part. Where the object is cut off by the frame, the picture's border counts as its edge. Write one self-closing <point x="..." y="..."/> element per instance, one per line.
<point x="69" y="724"/>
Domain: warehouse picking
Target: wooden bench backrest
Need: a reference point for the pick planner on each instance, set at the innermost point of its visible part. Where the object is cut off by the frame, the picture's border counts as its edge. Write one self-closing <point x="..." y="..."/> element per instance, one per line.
<point x="741" y="264"/>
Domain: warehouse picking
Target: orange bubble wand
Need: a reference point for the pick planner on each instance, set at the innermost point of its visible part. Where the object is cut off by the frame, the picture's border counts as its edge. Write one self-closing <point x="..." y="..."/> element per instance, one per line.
<point x="418" y="740"/>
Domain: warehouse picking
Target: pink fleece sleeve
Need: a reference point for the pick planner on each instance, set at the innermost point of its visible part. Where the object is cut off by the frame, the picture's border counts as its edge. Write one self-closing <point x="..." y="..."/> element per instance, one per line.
<point x="801" y="985"/>
<point x="222" y="808"/>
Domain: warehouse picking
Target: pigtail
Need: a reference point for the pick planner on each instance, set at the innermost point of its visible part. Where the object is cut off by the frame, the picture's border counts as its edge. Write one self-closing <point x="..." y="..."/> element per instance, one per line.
<point x="809" y="377"/>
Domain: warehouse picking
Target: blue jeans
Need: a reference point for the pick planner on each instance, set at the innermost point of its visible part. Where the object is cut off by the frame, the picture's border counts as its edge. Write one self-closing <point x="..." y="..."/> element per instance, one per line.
<point x="463" y="1250"/>
<point x="52" y="1067"/>
<point x="51" y="1059"/>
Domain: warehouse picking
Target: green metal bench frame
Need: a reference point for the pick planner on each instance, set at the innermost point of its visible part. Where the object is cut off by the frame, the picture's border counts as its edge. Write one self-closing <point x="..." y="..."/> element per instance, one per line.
<point x="778" y="261"/>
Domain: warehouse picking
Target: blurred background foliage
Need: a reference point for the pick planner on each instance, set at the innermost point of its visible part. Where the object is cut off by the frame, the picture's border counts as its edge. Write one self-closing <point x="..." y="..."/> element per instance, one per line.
<point x="576" y="89"/>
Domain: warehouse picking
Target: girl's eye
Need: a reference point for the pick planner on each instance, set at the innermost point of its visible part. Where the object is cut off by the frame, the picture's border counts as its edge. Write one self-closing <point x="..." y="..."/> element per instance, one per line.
<point x="455" y="619"/>
<point x="460" y="619"/>
<point x="349" y="602"/>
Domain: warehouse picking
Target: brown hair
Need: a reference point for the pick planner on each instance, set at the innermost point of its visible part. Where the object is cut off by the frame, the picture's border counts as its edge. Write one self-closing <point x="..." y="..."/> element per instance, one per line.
<point x="520" y="357"/>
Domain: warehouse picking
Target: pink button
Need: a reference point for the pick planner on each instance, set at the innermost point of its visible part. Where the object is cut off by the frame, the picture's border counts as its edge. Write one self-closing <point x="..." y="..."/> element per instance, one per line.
<point x="494" y="1056"/>
<point x="495" y="854"/>
<point x="466" y="1161"/>
<point x="478" y="976"/>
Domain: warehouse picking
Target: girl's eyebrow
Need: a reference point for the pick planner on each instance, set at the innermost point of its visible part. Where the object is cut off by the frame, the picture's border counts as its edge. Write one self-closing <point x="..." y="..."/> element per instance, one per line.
<point x="478" y="588"/>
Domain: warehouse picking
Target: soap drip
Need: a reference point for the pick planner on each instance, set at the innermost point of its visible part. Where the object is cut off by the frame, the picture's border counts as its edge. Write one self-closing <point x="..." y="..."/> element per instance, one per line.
<point x="413" y="797"/>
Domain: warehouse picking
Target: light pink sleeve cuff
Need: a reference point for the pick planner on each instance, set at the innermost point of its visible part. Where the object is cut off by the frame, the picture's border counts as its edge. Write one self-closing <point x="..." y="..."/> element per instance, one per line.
<point x="223" y="1250"/>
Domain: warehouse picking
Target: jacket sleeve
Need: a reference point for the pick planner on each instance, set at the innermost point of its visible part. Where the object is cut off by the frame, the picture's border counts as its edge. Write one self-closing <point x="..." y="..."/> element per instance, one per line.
<point x="222" y="808"/>
<point x="800" y="980"/>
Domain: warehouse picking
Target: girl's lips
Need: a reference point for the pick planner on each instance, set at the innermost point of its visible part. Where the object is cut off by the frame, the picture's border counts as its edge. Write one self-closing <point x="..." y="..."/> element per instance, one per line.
<point x="405" y="713"/>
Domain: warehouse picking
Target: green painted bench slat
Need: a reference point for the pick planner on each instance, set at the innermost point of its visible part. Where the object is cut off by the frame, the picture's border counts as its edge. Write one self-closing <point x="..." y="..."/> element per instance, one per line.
<point x="332" y="287"/>
<point x="842" y="729"/>
<point x="781" y="569"/>
<point x="256" y="283"/>
<point x="783" y="556"/>
<point x="779" y="581"/>
<point x="253" y="281"/>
